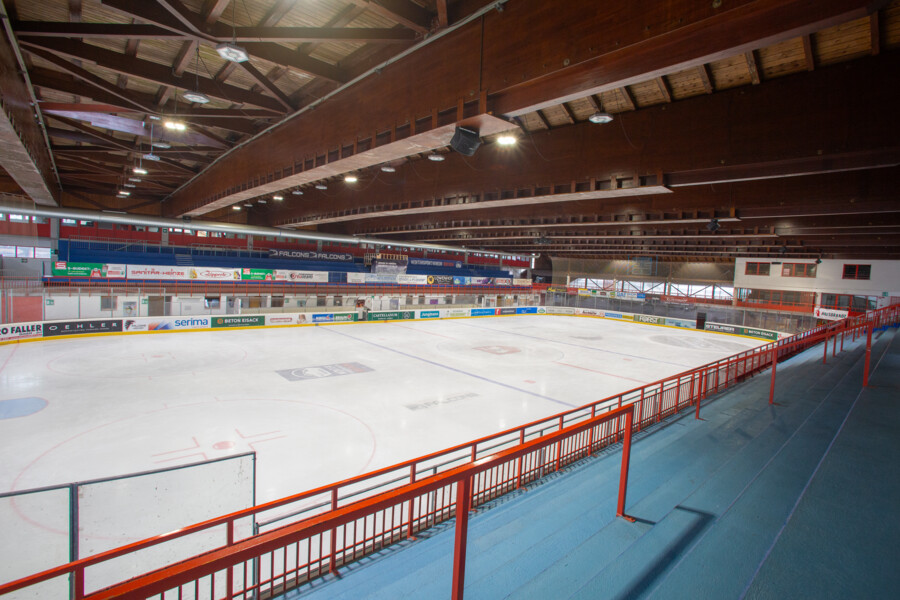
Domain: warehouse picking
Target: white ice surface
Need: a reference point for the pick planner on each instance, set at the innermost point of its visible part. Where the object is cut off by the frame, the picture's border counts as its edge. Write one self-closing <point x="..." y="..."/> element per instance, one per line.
<point x="127" y="403"/>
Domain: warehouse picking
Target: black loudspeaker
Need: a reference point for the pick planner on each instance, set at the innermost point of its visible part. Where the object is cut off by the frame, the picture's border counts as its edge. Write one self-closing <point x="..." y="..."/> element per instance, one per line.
<point x="465" y="141"/>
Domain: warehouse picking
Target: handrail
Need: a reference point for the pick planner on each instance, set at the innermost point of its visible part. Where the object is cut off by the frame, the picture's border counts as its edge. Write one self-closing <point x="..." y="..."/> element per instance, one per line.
<point x="650" y="403"/>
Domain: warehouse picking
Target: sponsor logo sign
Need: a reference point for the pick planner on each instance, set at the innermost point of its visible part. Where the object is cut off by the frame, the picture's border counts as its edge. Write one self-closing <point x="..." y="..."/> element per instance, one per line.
<point x="239" y="321"/>
<point x="480" y="280"/>
<point x="344" y="317"/>
<point x="323" y="318"/>
<point x="560" y="310"/>
<point x="587" y="311"/>
<point x="541" y="310"/>
<point x="721" y="327"/>
<point x="681" y="323"/>
<point x="323" y="371"/>
<point x="649" y="319"/>
<point x="280" y="319"/>
<point x="381" y="278"/>
<point x="526" y="310"/>
<point x="151" y="272"/>
<point x="438" y="402"/>
<point x="392" y="315"/>
<point x="20" y="331"/>
<point x="310" y="255"/>
<point x="525" y="282"/>
<point x="831" y="314"/>
<point x="75" y="269"/>
<point x="482" y="312"/>
<point x="440" y="279"/>
<point x="150" y="324"/>
<point x="412" y="279"/>
<point x="356" y="277"/>
<point x="506" y="311"/>
<point x="760" y="333"/>
<point x="257" y="275"/>
<point x="80" y="327"/>
<point x="502" y="281"/>
<point x="613" y="315"/>
<point x="429" y="314"/>
<point x="460" y="280"/>
<point x="302" y="276"/>
<point x="458" y="312"/>
<point x="432" y="262"/>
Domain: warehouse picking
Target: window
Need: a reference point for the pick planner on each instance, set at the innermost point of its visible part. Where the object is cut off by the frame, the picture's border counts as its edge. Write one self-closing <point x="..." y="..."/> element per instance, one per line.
<point x="798" y="270"/>
<point x="277" y="301"/>
<point x="25" y="251"/>
<point x="69" y="222"/>
<point x="211" y="302"/>
<point x="108" y="302"/>
<point x="8" y="251"/>
<point x="42" y="252"/>
<point x="754" y="268"/>
<point x="18" y="218"/>
<point x="857" y="271"/>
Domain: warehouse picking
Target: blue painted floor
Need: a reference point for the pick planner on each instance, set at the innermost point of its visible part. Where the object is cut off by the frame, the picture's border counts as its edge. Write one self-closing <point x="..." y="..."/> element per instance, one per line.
<point x="796" y="500"/>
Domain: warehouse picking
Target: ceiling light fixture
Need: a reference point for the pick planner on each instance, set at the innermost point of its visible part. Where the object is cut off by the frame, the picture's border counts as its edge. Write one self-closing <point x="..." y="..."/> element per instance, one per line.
<point x="154" y="117"/>
<point x="161" y="145"/>
<point x="175" y="125"/>
<point x="140" y="171"/>
<point x="124" y="193"/>
<point x="129" y="185"/>
<point x="278" y="197"/>
<point x="435" y="157"/>
<point x="351" y="178"/>
<point x="232" y="51"/>
<point x="262" y="201"/>
<point x="507" y="140"/>
<point x="151" y="156"/>
<point x="388" y="169"/>
<point x="196" y="96"/>
<point x="135" y="179"/>
<point x="248" y="204"/>
<point x="297" y="192"/>
<point x="321" y="186"/>
<point x="600" y="117"/>
<point x="235" y="207"/>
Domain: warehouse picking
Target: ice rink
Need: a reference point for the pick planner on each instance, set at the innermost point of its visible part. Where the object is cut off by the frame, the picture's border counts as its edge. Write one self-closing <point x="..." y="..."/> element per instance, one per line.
<point x="317" y="403"/>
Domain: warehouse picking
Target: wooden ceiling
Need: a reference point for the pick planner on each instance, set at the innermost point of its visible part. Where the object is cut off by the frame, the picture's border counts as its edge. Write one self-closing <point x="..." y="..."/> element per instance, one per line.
<point x="773" y="119"/>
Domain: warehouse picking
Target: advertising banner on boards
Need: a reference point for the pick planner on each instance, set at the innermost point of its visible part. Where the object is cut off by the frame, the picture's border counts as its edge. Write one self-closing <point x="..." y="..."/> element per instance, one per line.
<point x="392" y="315"/>
<point x="482" y="312"/>
<point x="239" y="321"/>
<point x="832" y="314"/>
<point x="55" y="328"/>
<point x="20" y="331"/>
<point x="440" y="279"/>
<point x="62" y="268"/>
<point x="311" y="255"/>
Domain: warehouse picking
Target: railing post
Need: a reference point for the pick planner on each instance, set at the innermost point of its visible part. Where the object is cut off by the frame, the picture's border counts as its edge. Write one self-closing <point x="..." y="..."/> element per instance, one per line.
<point x="834" y="346"/>
<point x="626" y="460"/>
<point x="641" y="411"/>
<point x="677" y="392"/>
<point x="868" y="355"/>
<point x="463" y="492"/>
<point x="520" y="459"/>
<point x="591" y="431"/>
<point x="229" y="575"/>
<point x="409" y="516"/>
<point x="825" y="355"/>
<point x="332" y="567"/>
<point x="774" y="364"/>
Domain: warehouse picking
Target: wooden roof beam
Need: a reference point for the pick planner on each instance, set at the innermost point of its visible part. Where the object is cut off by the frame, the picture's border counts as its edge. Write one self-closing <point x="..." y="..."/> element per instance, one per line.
<point x="808" y="53"/>
<point x="271" y="52"/>
<point x="404" y="12"/>
<point x="703" y="72"/>
<point x="143" y="69"/>
<point x="750" y="57"/>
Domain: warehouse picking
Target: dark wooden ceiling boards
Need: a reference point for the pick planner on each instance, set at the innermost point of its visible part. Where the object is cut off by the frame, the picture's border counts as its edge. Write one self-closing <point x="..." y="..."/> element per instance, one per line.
<point x="774" y="116"/>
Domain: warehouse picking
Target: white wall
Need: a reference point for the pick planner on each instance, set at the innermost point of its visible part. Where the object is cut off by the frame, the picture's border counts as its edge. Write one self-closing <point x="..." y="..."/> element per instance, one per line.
<point x="829" y="278"/>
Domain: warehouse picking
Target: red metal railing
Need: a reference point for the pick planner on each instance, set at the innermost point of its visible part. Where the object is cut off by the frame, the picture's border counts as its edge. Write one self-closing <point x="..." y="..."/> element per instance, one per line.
<point x="342" y="522"/>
